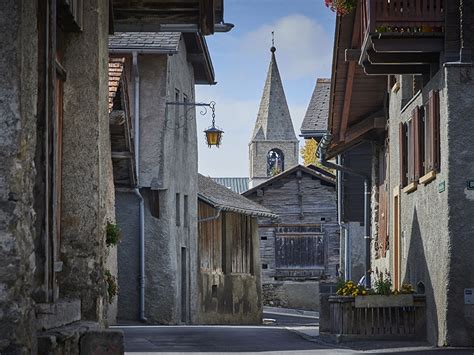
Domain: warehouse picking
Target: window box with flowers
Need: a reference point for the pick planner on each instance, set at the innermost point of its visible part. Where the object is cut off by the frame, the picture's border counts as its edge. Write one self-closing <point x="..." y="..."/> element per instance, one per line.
<point x="379" y="312"/>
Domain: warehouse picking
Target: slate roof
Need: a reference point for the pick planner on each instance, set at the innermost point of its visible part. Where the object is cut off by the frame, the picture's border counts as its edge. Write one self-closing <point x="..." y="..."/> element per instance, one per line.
<point x="236" y="184"/>
<point x="273" y="119"/>
<point x="312" y="170"/>
<point x="225" y="199"/>
<point x="165" y="41"/>
<point x="115" y="74"/>
<point x="315" y="121"/>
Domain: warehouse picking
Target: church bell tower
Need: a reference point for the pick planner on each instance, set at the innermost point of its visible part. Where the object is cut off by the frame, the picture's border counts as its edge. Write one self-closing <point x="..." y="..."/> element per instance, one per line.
<point x="273" y="147"/>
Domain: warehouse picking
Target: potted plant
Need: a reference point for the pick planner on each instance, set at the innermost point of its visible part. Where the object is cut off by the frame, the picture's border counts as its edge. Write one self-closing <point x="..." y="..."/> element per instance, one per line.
<point x="341" y="7"/>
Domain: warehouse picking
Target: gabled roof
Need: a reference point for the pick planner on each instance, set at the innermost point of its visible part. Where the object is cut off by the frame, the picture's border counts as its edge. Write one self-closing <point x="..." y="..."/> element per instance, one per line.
<point x="225" y="199"/>
<point x="315" y="122"/>
<point x="168" y="43"/>
<point x="236" y="184"/>
<point x="274" y="120"/>
<point x="313" y="171"/>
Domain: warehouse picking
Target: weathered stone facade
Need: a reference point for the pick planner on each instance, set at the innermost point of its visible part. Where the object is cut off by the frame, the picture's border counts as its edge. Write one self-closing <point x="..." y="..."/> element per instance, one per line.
<point x="53" y="205"/>
<point x="435" y="223"/>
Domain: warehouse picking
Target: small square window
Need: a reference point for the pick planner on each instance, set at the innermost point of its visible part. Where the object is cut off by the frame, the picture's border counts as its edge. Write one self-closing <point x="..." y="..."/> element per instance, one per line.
<point x="178" y="210"/>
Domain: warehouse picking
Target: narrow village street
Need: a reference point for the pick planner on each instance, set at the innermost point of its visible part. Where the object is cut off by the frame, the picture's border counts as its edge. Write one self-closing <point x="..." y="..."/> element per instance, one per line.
<point x="290" y="334"/>
<point x="236" y="176"/>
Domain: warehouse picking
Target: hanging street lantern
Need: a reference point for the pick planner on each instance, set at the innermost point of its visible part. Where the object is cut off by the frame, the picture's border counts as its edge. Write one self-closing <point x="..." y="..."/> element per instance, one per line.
<point x="213" y="134"/>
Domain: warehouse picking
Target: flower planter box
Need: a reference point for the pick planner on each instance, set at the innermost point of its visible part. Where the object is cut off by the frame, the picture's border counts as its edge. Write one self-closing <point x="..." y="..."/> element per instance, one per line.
<point x="382" y="317"/>
<point x="379" y="301"/>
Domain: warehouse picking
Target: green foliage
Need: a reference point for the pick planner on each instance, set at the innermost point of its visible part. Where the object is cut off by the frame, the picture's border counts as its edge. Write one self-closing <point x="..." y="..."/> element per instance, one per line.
<point x="112" y="287"/>
<point x="383" y="283"/>
<point x="113" y="235"/>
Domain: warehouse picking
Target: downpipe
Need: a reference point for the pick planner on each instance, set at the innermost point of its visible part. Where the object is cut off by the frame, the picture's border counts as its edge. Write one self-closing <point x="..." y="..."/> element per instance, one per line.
<point x="343" y="229"/>
<point x="321" y="152"/>
<point x="136" y="90"/>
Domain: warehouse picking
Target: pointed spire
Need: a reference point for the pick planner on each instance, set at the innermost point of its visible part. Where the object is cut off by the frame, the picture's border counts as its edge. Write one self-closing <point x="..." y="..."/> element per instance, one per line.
<point x="274" y="120"/>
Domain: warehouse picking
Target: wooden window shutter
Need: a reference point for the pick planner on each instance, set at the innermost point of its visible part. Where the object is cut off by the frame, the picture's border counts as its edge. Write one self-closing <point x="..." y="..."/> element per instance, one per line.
<point x="417" y="141"/>
<point x="435" y="132"/>
<point x="411" y="151"/>
<point x="403" y="154"/>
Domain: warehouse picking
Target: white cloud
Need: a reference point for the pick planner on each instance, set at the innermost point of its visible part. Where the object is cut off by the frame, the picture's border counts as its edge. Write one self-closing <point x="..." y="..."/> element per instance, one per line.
<point x="304" y="48"/>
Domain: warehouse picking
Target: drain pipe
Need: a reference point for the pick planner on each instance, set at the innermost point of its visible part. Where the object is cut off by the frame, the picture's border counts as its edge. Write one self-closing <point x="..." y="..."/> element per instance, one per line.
<point x="343" y="229"/>
<point x="136" y="113"/>
<point x="322" y="149"/>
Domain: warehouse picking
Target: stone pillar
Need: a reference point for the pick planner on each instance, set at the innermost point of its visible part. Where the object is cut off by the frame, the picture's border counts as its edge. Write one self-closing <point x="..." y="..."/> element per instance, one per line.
<point x="18" y="97"/>
<point x="86" y="155"/>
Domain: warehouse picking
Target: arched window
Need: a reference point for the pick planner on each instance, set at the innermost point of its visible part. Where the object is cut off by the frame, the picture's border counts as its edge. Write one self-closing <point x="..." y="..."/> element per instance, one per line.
<point x="275" y="162"/>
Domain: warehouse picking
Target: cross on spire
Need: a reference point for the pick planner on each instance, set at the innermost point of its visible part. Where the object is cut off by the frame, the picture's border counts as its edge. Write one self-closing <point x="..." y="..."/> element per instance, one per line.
<point x="273" y="49"/>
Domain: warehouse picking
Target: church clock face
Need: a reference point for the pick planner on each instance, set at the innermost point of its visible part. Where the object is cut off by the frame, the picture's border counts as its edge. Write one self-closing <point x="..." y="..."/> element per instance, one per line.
<point x="275" y="162"/>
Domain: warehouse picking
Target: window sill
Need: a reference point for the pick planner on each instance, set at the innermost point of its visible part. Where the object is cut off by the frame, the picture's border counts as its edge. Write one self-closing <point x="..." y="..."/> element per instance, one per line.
<point x="428" y="177"/>
<point x="410" y="188"/>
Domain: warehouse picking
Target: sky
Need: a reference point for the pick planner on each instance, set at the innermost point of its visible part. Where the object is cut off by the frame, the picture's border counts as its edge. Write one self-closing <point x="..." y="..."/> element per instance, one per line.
<point x="304" y="33"/>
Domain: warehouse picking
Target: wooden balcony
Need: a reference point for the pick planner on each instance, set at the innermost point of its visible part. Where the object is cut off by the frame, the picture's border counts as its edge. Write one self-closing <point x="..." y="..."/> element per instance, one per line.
<point x="401" y="36"/>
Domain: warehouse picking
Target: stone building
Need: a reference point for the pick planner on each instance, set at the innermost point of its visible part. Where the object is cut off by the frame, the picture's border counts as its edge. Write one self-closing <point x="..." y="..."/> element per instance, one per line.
<point x="229" y="279"/>
<point x="157" y="257"/>
<point x="274" y="146"/>
<point x="56" y="182"/>
<point x="408" y="90"/>
<point x="350" y="188"/>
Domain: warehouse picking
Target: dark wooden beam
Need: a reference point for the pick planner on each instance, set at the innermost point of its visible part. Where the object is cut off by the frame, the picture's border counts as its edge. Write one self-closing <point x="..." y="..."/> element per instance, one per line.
<point x="402" y="58"/>
<point x="352" y="55"/>
<point x="410" y="45"/>
<point x="390" y="69"/>
<point x="365" y="126"/>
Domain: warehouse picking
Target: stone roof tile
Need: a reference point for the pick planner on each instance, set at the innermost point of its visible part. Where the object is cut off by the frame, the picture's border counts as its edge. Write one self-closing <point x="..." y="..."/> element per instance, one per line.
<point x="166" y="41"/>
<point x="316" y="118"/>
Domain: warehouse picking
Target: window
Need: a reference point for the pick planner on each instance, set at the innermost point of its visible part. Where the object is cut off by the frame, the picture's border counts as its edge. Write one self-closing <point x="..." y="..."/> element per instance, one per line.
<point x="275" y="162"/>
<point x="186" y="211"/>
<point x="176" y="107"/>
<point x="155" y="203"/>
<point x="178" y="212"/>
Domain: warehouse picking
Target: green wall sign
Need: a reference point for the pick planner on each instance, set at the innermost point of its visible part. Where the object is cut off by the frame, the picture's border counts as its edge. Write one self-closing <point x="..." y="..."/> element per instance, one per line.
<point x="442" y="186"/>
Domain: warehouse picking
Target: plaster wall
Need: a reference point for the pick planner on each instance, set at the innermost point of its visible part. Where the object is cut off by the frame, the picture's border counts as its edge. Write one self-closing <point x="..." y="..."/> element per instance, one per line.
<point x="18" y="98"/>
<point x="168" y="164"/>
<point x="258" y="151"/>
<point x="435" y="225"/>
<point x="86" y="171"/>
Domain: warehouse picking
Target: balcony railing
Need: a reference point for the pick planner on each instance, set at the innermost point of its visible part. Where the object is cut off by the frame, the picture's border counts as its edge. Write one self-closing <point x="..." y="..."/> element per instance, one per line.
<point x="402" y="16"/>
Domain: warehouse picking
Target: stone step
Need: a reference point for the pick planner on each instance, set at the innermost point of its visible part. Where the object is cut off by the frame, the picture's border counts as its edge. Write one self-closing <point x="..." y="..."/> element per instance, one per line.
<point x="80" y="338"/>
<point x="57" y="314"/>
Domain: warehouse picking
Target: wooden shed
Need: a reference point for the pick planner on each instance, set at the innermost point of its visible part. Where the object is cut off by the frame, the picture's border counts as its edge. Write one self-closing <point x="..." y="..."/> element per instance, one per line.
<point x="228" y="253"/>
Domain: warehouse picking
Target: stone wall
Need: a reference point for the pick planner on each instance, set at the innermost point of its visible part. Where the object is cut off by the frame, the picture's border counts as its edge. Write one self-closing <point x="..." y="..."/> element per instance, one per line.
<point x="85" y="170"/>
<point x="18" y="97"/>
<point x="292" y="294"/>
